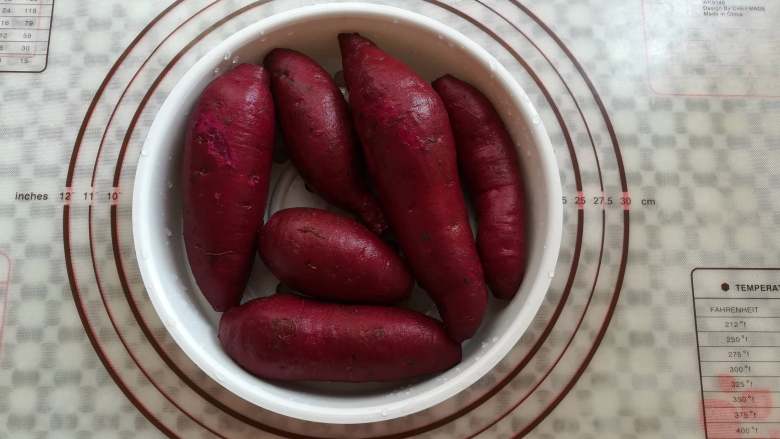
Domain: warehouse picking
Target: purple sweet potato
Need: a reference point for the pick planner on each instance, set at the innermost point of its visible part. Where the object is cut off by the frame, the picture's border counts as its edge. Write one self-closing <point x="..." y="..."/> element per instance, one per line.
<point x="227" y="162"/>
<point x="318" y="134"/>
<point x="330" y="256"/>
<point x="286" y="337"/>
<point x="488" y="161"/>
<point x="410" y="152"/>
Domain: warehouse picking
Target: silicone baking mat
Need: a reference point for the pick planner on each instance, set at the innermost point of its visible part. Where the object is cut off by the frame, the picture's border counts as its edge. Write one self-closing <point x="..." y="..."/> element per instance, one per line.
<point x="663" y="319"/>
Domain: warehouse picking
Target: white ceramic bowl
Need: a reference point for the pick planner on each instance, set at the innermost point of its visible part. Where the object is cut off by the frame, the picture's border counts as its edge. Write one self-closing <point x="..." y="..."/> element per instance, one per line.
<point x="432" y="49"/>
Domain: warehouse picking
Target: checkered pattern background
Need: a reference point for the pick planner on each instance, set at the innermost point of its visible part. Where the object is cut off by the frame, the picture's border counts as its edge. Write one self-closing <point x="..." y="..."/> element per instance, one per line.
<point x="711" y="163"/>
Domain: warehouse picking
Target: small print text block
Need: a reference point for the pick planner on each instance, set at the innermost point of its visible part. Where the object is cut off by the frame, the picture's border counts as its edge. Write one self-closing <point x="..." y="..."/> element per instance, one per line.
<point x="25" y="27"/>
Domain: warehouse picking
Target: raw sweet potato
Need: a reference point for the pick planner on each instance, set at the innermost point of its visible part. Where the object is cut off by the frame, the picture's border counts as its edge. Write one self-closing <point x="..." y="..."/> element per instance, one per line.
<point x="286" y="337"/>
<point x="410" y="153"/>
<point x="488" y="162"/>
<point x="318" y="134"/>
<point x="227" y="162"/>
<point x="330" y="256"/>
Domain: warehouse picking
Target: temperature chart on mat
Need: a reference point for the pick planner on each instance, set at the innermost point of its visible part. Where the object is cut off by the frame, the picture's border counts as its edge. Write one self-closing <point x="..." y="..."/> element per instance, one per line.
<point x="25" y="26"/>
<point x="737" y="314"/>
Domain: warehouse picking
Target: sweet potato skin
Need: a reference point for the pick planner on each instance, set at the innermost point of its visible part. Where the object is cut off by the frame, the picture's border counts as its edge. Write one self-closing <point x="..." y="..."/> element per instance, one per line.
<point x="286" y="337"/>
<point x="318" y="134"/>
<point x="227" y="162"/>
<point x="488" y="161"/>
<point x="410" y="153"/>
<point x="330" y="256"/>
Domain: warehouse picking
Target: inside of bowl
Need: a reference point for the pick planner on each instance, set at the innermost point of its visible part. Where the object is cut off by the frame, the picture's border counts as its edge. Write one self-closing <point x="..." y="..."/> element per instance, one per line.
<point x="431" y="54"/>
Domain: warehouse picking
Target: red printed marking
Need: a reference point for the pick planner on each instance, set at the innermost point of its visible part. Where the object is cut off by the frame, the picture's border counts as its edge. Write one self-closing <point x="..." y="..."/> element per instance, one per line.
<point x="732" y="417"/>
<point x="721" y="410"/>
<point x="580" y="201"/>
<point x="625" y="200"/>
<point x="114" y="195"/>
<point x="67" y="195"/>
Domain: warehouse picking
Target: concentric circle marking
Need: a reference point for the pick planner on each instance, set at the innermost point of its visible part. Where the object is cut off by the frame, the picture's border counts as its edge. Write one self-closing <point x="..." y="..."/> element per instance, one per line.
<point x="147" y="332"/>
<point x="517" y="369"/>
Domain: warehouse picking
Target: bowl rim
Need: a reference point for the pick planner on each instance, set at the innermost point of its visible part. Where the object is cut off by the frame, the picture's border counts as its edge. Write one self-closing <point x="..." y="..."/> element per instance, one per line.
<point x="143" y="243"/>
